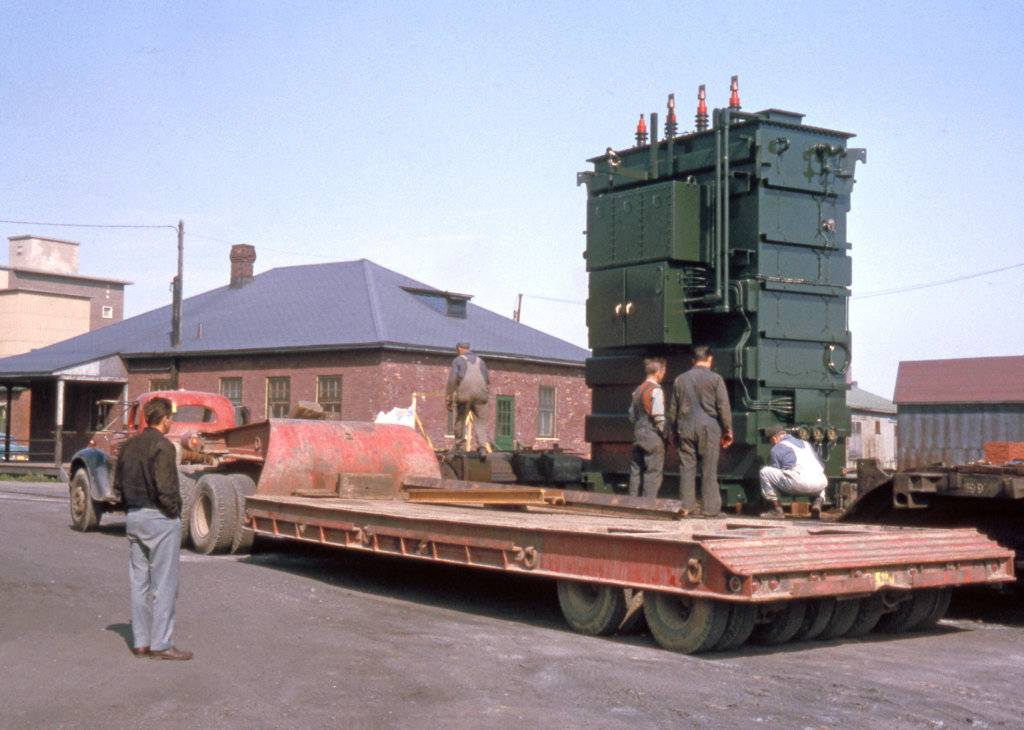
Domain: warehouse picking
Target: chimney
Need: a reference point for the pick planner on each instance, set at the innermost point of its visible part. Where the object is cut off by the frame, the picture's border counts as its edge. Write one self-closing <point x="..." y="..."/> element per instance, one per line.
<point x="243" y="255"/>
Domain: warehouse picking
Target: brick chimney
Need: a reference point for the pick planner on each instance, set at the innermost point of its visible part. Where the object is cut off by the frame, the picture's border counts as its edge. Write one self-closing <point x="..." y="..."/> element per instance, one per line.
<point x="243" y="255"/>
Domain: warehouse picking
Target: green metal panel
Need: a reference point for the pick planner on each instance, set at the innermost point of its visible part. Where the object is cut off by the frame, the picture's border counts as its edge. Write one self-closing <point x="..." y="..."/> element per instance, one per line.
<point x="504" y="422"/>
<point x="654" y="306"/>
<point x="606" y="326"/>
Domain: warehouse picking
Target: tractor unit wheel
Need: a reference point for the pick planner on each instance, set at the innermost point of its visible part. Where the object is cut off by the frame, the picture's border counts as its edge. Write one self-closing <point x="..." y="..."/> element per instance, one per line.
<point x="590" y="608"/>
<point x="842" y="619"/>
<point x="819" y="613"/>
<point x="911" y="613"/>
<point x="738" y="628"/>
<point x="683" y="623"/>
<point x="187" y="489"/>
<point x="244" y="486"/>
<point x="782" y="626"/>
<point x="85" y="514"/>
<point x="214" y="518"/>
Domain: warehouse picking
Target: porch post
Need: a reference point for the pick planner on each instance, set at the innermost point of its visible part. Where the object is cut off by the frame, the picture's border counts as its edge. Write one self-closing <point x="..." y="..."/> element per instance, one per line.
<point x="7" y="422"/>
<point x="58" y="447"/>
<point x="124" y="409"/>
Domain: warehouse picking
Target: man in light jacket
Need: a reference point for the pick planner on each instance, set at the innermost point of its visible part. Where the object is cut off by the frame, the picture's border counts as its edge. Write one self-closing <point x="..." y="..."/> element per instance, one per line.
<point x="794" y="469"/>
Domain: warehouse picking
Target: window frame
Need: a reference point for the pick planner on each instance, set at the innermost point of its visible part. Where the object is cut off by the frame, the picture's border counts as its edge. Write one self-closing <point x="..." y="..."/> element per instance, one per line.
<point x="543" y="411"/>
<point x="320" y="380"/>
<point x="241" y="390"/>
<point x="287" y="401"/>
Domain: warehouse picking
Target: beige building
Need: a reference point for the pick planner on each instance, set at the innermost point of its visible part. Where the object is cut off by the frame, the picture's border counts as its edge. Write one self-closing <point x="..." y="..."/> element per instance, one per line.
<point x="872" y="428"/>
<point x="43" y="300"/>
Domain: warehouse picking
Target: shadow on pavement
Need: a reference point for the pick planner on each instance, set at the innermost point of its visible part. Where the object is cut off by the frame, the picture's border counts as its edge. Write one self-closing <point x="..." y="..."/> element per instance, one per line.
<point x="124" y="631"/>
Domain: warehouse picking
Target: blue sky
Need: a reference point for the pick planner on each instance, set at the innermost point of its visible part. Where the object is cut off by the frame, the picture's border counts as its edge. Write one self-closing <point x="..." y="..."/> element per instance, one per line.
<point x="442" y="140"/>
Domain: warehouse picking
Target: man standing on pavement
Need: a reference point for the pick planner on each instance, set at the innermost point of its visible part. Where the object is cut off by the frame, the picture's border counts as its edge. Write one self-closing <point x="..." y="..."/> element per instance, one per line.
<point x="702" y="419"/>
<point x="795" y="469"/>
<point x="147" y="475"/>
<point x="647" y="413"/>
<point x="467" y="392"/>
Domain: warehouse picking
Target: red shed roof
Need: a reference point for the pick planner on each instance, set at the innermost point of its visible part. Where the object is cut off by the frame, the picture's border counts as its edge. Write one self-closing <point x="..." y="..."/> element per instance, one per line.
<point x="963" y="380"/>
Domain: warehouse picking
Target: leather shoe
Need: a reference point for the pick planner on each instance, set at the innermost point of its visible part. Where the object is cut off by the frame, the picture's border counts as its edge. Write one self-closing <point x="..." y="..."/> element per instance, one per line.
<point x="140" y="650"/>
<point x="172" y="653"/>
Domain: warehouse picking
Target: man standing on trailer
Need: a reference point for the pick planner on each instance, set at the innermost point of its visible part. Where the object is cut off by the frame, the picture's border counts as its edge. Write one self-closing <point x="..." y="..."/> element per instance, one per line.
<point x="467" y="392"/>
<point x="702" y="419"/>
<point x="147" y="475"/>
<point x="647" y="413"/>
<point x="795" y="469"/>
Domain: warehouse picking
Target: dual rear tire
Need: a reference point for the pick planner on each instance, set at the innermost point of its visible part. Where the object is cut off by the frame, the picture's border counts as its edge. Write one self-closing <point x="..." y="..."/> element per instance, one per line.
<point x="215" y="519"/>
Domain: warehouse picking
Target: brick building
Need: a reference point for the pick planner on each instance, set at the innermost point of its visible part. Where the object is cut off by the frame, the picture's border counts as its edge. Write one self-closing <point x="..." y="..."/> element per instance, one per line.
<point x="353" y="336"/>
<point x="43" y="299"/>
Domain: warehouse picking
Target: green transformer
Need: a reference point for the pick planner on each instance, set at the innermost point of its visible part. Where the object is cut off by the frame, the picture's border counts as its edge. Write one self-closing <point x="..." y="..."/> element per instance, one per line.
<point x="733" y="236"/>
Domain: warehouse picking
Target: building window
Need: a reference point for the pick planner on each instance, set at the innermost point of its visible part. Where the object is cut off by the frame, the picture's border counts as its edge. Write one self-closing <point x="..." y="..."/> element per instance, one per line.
<point x="546" y="412"/>
<point x="878" y="427"/>
<point x="856" y="427"/>
<point x="160" y="384"/>
<point x="231" y="388"/>
<point x="107" y="313"/>
<point x="328" y="393"/>
<point x="279" y="395"/>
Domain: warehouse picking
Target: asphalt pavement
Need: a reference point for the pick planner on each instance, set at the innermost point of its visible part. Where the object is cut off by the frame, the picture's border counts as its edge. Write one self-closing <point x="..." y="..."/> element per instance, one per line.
<point x="316" y="637"/>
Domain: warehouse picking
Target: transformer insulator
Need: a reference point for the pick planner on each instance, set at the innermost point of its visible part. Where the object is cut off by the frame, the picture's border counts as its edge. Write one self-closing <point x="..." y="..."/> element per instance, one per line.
<point x="671" y="125"/>
<point x="702" y="110"/>
<point x="641" y="131"/>
<point x="734" y="93"/>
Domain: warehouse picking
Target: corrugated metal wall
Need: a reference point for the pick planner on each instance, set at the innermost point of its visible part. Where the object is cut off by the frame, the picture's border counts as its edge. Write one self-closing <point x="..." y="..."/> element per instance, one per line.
<point x="954" y="434"/>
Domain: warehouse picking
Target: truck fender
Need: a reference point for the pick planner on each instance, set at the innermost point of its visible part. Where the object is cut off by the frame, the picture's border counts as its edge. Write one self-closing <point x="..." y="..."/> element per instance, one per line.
<point x="97" y="464"/>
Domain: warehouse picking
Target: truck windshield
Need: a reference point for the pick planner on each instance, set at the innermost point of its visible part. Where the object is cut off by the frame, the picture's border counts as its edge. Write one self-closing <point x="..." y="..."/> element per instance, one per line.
<point x="195" y="414"/>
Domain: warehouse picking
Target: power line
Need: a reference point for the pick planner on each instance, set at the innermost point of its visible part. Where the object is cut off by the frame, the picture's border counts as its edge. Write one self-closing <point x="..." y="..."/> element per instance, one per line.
<point x="930" y="284"/>
<point x="554" y="299"/>
<point x="83" y="225"/>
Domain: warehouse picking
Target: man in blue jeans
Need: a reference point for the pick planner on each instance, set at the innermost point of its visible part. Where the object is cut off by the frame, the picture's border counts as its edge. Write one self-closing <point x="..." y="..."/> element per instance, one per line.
<point x="147" y="475"/>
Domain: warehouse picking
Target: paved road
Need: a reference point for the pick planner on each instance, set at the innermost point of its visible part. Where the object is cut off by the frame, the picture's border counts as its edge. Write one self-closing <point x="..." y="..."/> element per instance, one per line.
<point x="301" y="638"/>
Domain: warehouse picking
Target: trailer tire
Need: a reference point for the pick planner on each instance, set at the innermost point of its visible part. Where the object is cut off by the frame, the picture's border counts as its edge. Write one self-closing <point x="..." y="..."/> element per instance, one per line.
<point x="938" y="611"/>
<point x="85" y="514"/>
<point x="782" y="627"/>
<point x="244" y="487"/>
<point x="868" y="615"/>
<point x="187" y="489"/>
<point x="214" y="519"/>
<point x="819" y="613"/>
<point x="738" y="628"/>
<point x="842" y="619"/>
<point x="910" y="614"/>
<point x="591" y="608"/>
<point x="683" y="623"/>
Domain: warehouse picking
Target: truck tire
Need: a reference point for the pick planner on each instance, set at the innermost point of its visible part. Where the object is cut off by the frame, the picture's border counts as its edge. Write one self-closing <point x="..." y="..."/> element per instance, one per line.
<point x="938" y="611"/>
<point x="868" y="615"/>
<point x="739" y="627"/>
<point x="782" y="627"/>
<point x="590" y="608"/>
<point x="819" y="613"/>
<point x="244" y="487"/>
<point x="910" y="614"/>
<point x="85" y="514"/>
<point x="214" y="519"/>
<point x="842" y="619"/>
<point x="187" y="489"/>
<point x="685" y="624"/>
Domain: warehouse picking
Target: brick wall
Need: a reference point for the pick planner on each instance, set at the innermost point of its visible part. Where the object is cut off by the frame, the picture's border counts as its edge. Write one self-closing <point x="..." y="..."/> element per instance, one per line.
<point x="374" y="381"/>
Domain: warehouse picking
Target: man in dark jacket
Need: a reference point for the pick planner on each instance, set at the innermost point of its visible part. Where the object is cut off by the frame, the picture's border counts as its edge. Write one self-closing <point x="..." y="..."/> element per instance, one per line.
<point x="467" y="392"/>
<point x="647" y="413"/>
<point x="147" y="476"/>
<point x="702" y="419"/>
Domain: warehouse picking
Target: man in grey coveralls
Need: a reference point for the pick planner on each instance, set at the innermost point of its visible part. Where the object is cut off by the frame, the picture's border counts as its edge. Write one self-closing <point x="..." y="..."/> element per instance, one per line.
<point x="147" y="477"/>
<point x="468" y="391"/>
<point x="702" y="419"/>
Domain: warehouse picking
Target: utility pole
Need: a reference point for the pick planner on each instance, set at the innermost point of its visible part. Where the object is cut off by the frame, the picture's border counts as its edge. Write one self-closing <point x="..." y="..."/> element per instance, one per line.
<point x="519" y="308"/>
<point x="176" y="289"/>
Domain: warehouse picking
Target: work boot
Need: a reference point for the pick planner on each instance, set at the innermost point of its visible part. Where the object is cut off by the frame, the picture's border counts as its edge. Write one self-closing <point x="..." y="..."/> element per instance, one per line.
<point x="816" y="508"/>
<point x="775" y="513"/>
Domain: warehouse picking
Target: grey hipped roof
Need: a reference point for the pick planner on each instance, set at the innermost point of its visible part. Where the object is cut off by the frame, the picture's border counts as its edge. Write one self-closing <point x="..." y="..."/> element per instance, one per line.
<point x="343" y="305"/>
<point x="858" y="399"/>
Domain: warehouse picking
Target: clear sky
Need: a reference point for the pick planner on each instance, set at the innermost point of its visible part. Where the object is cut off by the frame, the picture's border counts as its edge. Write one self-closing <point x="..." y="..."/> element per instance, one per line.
<point x="441" y="140"/>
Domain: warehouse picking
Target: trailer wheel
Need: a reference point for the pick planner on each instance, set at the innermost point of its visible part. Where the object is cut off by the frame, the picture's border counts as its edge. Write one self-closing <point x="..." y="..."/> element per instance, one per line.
<point x="782" y="627"/>
<point x="842" y="619"/>
<point x="244" y="486"/>
<point x="819" y="613"/>
<point x="685" y="624"/>
<point x="870" y="611"/>
<point x="938" y="611"/>
<point x="910" y="614"/>
<point x="84" y="514"/>
<point x="590" y="608"/>
<point x="215" y="514"/>
<point x="187" y="489"/>
<point x="739" y="626"/>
